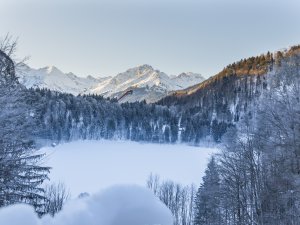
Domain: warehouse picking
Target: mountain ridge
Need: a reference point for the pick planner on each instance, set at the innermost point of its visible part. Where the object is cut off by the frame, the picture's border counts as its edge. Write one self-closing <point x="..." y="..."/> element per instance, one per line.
<point x="144" y="78"/>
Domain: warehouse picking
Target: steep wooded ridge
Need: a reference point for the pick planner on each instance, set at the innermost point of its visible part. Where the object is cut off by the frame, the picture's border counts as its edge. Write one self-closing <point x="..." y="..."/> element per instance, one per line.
<point x="238" y="74"/>
<point x="220" y="101"/>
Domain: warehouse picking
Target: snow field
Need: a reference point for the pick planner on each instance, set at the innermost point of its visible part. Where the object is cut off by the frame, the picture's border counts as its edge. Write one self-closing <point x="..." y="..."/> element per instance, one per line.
<point x="89" y="166"/>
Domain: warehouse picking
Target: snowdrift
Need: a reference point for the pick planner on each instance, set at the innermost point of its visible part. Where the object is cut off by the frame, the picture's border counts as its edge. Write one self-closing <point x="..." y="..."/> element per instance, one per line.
<point x="118" y="205"/>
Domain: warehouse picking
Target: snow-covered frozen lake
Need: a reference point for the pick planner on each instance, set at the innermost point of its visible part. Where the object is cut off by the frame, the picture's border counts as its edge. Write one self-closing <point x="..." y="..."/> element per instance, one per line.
<point x="89" y="166"/>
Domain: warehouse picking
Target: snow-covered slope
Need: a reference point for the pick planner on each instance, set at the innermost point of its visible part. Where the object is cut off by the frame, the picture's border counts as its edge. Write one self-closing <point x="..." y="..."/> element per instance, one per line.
<point x="188" y="79"/>
<point x="52" y="78"/>
<point x="145" y="82"/>
<point x="135" y="163"/>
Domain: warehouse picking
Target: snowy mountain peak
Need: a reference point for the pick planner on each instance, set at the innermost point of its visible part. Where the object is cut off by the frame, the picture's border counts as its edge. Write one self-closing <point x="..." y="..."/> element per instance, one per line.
<point x="52" y="69"/>
<point x="89" y="77"/>
<point x="139" y="70"/>
<point x="144" y="67"/>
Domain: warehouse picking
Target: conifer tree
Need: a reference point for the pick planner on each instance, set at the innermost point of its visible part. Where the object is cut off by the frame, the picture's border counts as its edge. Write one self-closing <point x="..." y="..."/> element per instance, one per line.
<point x="207" y="202"/>
<point x="20" y="172"/>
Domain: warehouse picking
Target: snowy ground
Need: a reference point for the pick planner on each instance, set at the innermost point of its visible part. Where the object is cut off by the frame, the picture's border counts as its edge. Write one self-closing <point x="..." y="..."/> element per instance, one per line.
<point x="90" y="166"/>
<point x="118" y="205"/>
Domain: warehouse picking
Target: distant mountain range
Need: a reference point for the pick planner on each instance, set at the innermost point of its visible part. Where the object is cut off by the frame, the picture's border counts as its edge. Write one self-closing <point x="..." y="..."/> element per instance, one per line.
<point x="145" y="82"/>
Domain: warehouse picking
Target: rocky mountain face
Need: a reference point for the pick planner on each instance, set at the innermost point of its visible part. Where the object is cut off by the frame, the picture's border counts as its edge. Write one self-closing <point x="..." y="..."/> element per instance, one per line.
<point x="145" y="82"/>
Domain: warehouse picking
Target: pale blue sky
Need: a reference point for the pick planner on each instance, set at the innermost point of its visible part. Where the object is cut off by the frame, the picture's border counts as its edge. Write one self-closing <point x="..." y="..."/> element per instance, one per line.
<point x="105" y="37"/>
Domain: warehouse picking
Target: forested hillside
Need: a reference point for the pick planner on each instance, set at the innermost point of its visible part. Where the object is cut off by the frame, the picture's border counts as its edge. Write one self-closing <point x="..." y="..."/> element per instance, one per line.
<point x="255" y="179"/>
<point x="64" y="117"/>
<point x="220" y="102"/>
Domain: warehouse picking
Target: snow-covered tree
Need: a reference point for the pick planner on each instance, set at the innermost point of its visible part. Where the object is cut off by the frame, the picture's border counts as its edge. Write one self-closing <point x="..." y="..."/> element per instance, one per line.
<point x="260" y="165"/>
<point x="207" y="201"/>
<point x="179" y="199"/>
<point x="21" y="175"/>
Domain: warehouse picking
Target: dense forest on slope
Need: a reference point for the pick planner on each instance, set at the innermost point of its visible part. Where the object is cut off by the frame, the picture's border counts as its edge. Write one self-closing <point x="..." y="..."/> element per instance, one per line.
<point x="221" y="101"/>
<point x="64" y="117"/>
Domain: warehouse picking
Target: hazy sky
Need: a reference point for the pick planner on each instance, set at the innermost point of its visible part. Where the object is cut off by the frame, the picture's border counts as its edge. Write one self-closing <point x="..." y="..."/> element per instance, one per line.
<point x="106" y="37"/>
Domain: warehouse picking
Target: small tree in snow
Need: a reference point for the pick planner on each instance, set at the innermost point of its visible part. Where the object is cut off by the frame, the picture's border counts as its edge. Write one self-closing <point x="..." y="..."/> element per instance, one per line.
<point x="56" y="196"/>
<point x="207" y="202"/>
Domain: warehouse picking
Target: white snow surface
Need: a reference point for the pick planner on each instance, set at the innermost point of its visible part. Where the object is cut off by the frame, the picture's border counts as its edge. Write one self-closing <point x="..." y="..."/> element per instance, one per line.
<point x="118" y="205"/>
<point x="89" y="166"/>
<point x="52" y="78"/>
<point x="151" y="84"/>
<point x="114" y="173"/>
